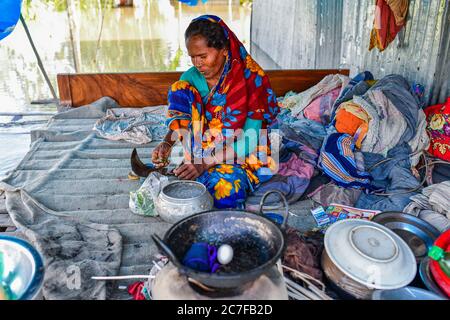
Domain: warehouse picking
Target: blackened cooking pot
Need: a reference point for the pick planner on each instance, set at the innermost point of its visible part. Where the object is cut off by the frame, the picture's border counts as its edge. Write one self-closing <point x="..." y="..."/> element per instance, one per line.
<point x="258" y="243"/>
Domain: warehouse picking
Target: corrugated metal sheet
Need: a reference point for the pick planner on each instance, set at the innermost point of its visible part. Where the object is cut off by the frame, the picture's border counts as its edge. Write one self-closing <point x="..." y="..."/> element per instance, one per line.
<point x="298" y="33"/>
<point x="330" y="34"/>
<point x="442" y="84"/>
<point x="416" y="57"/>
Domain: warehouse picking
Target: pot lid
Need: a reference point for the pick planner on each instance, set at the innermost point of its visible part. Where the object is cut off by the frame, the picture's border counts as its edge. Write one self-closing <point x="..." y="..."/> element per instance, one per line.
<point x="370" y="254"/>
<point x="373" y="243"/>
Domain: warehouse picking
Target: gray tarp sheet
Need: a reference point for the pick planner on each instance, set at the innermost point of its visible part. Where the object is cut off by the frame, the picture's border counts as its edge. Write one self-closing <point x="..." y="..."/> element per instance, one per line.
<point x="70" y="195"/>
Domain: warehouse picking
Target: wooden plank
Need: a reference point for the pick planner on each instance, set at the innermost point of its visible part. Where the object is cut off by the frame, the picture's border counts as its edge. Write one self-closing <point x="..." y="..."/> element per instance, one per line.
<point x="150" y="89"/>
<point x="65" y="96"/>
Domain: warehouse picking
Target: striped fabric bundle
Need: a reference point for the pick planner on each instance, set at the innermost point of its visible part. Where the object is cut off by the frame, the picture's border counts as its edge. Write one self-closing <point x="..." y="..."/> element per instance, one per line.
<point x="338" y="162"/>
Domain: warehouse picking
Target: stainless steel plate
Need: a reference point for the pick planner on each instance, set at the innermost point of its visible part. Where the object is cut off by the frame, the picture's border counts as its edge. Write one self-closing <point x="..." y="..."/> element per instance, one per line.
<point x="427" y="278"/>
<point x="21" y="269"/>
<point x="417" y="233"/>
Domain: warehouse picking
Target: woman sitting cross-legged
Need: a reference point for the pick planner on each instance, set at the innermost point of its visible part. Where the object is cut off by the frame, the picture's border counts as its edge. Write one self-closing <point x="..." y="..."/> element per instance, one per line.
<point x="220" y="109"/>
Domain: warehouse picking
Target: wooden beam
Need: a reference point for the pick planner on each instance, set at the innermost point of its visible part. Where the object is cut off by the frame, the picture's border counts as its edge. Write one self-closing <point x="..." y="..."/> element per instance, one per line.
<point x="65" y="95"/>
<point x="150" y="89"/>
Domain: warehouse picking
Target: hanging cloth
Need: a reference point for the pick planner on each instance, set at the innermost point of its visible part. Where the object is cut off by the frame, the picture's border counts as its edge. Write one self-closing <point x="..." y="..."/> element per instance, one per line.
<point x="390" y="18"/>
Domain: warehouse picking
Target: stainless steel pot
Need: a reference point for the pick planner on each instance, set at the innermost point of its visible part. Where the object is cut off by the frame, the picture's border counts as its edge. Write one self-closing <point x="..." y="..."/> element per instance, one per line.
<point x="181" y="199"/>
<point x="342" y="282"/>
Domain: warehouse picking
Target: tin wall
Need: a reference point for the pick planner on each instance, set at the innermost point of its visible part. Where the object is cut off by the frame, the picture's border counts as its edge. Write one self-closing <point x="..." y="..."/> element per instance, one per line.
<point x="335" y="33"/>
<point x="298" y="32"/>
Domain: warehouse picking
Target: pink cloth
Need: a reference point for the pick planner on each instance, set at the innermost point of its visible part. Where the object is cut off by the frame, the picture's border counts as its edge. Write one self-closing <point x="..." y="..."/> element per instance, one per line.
<point x="296" y="166"/>
<point x="319" y="109"/>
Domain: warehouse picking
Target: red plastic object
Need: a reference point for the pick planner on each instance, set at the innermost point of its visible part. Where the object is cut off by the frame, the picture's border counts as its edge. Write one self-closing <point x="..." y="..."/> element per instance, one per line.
<point x="442" y="280"/>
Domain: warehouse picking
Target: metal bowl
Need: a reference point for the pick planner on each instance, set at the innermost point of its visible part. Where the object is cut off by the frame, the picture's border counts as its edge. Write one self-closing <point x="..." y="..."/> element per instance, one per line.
<point x="427" y="278"/>
<point x="417" y="233"/>
<point x="21" y="269"/>
<point x="405" y="293"/>
<point x="181" y="199"/>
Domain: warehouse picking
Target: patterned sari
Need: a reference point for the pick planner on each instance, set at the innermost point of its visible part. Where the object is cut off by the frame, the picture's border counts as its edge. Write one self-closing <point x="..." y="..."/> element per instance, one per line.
<point x="243" y="91"/>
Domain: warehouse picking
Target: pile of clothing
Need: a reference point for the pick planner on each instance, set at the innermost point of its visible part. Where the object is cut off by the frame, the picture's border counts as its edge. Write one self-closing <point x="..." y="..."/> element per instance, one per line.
<point x="356" y="141"/>
<point x="432" y="205"/>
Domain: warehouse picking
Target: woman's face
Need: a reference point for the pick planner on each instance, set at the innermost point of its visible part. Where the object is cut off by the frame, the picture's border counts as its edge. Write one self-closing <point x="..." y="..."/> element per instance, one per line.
<point x="209" y="61"/>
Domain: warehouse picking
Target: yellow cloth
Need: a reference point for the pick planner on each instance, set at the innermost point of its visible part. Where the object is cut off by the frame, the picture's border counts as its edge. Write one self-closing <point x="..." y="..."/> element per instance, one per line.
<point x="390" y="18"/>
<point x="399" y="9"/>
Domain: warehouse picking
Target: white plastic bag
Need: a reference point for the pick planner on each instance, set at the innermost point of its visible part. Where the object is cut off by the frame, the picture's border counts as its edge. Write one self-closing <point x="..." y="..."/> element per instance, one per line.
<point x="142" y="201"/>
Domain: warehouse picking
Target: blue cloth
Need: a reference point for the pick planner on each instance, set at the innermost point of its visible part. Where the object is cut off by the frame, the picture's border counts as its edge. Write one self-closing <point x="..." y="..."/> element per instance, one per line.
<point x="290" y="147"/>
<point x="338" y="162"/>
<point x="391" y="176"/>
<point x="356" y="86"/>
<point x="9" y="15"/>
<point x="229" y="185"/>
<point x="191" y="2"/>
<point x="398" y="90"/>
<point x="202" y="257"/>
<point x="418" y="91"/>
<point x="293" y="187"/>
<point x="303" y="131"/>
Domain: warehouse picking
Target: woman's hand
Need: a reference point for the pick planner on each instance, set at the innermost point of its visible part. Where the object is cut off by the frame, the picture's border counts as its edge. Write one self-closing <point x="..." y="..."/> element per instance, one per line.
<point x="161" y="154"/>
<point x="189" y="171"/>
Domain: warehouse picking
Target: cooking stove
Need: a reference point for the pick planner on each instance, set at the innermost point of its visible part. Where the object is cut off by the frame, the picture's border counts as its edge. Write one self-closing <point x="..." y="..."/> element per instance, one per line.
<point x="169" y="284"/>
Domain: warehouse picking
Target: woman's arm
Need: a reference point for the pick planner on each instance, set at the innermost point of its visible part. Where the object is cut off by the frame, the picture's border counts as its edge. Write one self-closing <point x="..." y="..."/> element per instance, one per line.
<point x="161" y="154"/>
<point x="245" y="145"/>
<point x="171" y="137"/>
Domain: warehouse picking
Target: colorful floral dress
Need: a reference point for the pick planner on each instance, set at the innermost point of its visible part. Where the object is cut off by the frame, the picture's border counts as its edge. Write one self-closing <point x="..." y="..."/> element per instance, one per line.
<point x="243" y="91"/>
<point x="438" y="119"/>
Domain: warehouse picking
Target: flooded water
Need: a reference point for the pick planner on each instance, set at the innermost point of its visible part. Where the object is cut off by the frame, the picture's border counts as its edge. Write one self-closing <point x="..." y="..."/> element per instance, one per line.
<point x="92" y="38"/>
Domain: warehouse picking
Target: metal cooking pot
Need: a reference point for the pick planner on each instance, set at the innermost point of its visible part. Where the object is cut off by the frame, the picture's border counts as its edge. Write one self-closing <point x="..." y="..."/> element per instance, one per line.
<point x="181" y="199"/>
<point x="258" y="244"/>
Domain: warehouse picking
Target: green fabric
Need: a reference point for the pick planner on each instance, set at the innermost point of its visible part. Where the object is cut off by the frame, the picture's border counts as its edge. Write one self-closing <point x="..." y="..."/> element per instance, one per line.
<point x="196" y="79"/>
<point x="245" y="145"/>
<point x="247" y="142"/>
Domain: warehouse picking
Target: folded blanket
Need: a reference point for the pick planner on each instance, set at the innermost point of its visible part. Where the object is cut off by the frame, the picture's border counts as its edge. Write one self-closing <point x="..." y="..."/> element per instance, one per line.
<point x="432" y="205"/>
